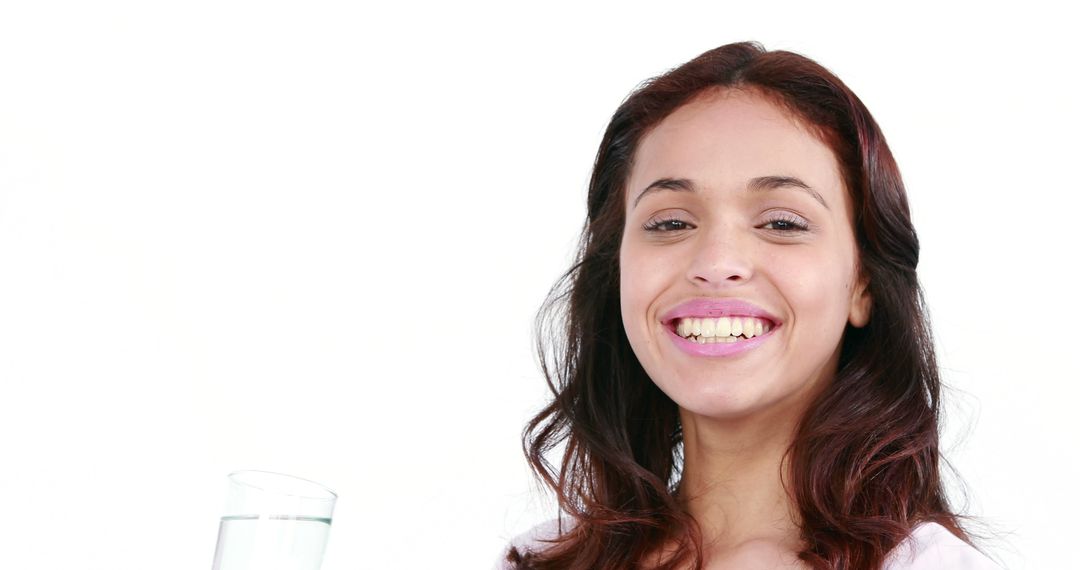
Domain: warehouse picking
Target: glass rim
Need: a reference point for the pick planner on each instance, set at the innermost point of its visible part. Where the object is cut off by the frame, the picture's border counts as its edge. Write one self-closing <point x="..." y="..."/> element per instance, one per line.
<point x="235" y="478"/>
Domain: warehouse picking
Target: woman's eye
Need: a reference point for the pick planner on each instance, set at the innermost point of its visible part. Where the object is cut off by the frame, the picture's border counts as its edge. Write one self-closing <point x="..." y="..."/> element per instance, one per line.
<point x="665" y="225"/>
<point x="786" y="224"/>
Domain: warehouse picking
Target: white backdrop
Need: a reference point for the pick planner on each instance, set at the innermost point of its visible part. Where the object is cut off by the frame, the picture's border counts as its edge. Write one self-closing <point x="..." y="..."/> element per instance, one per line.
<point x="311" y="237"/>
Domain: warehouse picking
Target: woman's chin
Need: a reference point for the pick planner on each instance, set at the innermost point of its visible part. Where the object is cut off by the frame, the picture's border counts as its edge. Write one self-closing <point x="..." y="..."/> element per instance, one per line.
<point x="713" y="401"/>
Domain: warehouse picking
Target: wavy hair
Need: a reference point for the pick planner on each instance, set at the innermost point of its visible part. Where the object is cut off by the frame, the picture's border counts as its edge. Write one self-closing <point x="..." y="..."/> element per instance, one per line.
<point x="864" y="464"/>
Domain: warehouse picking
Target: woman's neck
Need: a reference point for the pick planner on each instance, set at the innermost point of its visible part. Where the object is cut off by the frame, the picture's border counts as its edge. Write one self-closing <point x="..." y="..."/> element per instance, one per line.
<point x="731" y="481"/>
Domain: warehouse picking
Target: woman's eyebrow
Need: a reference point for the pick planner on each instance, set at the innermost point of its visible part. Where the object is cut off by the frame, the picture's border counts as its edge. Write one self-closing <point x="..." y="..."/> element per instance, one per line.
<point x="677" y="184"/>
<point x="776" y="182"/>
<point x="758" y="184"/>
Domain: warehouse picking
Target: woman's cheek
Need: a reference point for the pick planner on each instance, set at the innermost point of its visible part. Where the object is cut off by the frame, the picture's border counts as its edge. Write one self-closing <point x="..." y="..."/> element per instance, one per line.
<point x="638" y="289"/>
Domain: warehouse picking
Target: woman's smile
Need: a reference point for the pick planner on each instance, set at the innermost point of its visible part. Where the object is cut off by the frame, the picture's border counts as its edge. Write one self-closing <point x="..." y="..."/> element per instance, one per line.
<point x="718" y="327"/>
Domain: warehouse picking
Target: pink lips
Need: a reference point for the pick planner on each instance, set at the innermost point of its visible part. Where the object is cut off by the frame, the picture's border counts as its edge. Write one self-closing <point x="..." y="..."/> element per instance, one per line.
<point x="712" y="308"/>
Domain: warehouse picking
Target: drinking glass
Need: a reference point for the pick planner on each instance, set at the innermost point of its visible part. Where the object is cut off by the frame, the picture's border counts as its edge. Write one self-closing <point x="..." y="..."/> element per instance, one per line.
<point x="273" y="522"/>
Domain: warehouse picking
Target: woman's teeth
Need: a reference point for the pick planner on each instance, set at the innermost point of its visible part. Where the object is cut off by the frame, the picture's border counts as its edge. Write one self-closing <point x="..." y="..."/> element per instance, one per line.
<point x="724" y="329"/>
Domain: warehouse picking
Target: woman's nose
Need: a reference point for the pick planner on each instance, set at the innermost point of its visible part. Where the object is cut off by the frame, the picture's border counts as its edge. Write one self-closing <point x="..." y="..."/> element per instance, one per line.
<point x="722" y="257"/>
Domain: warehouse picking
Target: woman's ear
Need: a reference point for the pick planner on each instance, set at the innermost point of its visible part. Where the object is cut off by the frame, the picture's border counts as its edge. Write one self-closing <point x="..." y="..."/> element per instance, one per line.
<point x="861" y="303"/>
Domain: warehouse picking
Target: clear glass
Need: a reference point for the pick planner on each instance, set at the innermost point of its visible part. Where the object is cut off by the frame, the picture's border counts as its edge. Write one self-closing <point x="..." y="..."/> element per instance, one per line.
<point x="273" y="522"/>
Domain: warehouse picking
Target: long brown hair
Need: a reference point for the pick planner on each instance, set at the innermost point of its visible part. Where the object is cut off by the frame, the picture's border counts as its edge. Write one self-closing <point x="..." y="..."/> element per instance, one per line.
<point x="864" y="465"/>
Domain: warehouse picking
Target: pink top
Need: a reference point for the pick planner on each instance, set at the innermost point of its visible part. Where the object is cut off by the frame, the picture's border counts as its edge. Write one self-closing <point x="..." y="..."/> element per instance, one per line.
<point x="929" y="547"/>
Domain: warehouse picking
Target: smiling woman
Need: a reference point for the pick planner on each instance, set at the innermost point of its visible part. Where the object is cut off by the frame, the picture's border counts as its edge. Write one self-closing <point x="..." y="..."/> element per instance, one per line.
<point x="747" y="378"/>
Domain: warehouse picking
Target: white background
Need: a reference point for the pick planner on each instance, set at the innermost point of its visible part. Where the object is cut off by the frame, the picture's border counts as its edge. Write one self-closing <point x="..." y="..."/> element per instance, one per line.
<point x="311" y="237"/>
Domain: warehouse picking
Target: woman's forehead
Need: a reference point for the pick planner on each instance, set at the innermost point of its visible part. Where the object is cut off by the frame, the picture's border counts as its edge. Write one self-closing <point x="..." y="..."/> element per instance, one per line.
<point x="729" y="137"/>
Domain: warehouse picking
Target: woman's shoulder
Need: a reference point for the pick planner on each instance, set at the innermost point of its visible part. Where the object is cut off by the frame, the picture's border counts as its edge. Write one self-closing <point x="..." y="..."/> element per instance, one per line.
<point x="931" y="547"/>
<point x="533" y="539"/>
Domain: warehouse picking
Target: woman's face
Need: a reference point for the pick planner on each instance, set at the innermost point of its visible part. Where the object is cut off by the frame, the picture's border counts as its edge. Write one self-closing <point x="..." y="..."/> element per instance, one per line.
<point x="716" y="228"/>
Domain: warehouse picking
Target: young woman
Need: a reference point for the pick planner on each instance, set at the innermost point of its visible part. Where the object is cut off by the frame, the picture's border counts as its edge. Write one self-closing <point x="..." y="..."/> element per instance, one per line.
<point x="745" y="376"/>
